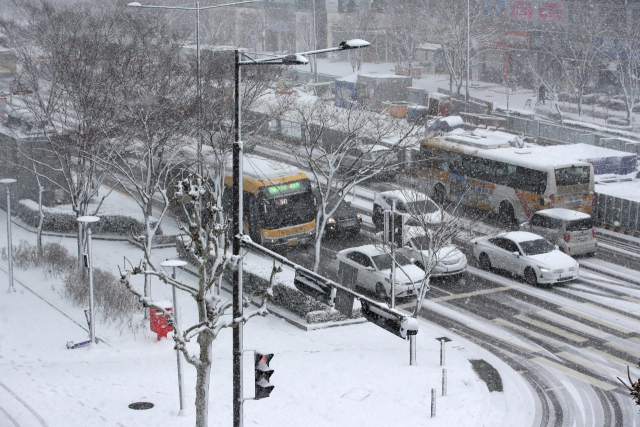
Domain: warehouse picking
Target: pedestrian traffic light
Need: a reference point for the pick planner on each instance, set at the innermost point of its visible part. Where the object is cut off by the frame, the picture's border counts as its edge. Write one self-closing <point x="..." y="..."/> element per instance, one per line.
<point x="263" y="373"/>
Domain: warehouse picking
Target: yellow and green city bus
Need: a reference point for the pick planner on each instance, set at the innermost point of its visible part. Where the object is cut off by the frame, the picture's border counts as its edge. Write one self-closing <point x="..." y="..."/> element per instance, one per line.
<point x="488" y="173"/>
<point x="278" y="205"/>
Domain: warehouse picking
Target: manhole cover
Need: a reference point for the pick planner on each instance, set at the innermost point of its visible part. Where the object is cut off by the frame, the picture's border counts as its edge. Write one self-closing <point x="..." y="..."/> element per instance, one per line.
<point x="141" y="405"/>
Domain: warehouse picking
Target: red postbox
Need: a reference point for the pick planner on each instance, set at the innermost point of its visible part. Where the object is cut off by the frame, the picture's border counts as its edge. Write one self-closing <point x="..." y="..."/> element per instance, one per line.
<point x="158" y="320"/>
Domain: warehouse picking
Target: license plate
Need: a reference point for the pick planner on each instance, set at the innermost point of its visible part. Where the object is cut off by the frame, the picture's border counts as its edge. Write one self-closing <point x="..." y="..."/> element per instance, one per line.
<point x="293" y="242"/>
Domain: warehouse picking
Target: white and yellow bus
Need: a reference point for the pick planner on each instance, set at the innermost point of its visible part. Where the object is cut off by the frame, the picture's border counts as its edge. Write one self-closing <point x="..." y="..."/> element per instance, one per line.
<point x="486" y="172"/>
<point x="278" y="205"/>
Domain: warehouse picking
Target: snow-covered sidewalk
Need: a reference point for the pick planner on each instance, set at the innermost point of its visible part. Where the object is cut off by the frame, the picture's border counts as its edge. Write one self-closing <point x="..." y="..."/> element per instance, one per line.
<point x="347" y="376"/>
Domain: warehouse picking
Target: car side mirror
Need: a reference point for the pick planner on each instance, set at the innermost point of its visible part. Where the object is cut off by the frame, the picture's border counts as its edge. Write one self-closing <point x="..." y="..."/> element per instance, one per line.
<point x="524" y="225"/>
<point x="370" y="268"/>
<point x="412" y="260"/>
<point x="557" y="247"/>
<point x="516" y="254"/>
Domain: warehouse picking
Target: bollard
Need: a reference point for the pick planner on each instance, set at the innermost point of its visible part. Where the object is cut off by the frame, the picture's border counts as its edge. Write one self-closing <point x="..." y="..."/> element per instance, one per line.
<point x="444" y="381"/>
<point x="443" y="341"/>
<point x="433" y="402"/>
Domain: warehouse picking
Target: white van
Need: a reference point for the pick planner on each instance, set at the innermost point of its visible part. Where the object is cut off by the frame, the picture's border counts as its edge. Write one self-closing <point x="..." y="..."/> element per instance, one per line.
<point x="571" y="230"/>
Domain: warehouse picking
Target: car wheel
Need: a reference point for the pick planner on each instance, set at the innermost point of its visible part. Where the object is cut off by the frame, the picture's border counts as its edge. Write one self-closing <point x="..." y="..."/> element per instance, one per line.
<point x="507" y="215"/>
<point x="591" y="254"/>
<point x="439" y="194"/>
<point x="381" y="292"/>
<point x="530" y="276"/>
<point x="485" y="262"/>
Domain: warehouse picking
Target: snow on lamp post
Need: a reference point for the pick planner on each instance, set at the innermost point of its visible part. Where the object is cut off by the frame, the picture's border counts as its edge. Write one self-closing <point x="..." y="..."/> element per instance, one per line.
<point x="166" y="264"/>
<point x="88" y="263"/>
<point x="6" y="183"/>
<point x="237" y="231"/>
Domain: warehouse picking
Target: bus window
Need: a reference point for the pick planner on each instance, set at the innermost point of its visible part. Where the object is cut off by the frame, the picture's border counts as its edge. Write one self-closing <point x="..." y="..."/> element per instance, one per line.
<point x="572" y="176"/>
<point x="529" y="180"/>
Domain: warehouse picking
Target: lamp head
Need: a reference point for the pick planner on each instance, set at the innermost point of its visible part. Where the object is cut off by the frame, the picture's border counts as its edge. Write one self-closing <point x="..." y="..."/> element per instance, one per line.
<point x="295" y="59"/>
<point x="7" y="181"/>
<point x="134" y="4"/>
<point x="354" y="44"/>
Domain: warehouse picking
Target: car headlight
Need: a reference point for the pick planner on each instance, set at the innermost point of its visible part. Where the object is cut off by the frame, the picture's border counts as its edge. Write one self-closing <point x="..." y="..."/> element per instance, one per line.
<point x="544" y="269"/>
<point x="331" y="221"/>
<point x="359" y="217"/>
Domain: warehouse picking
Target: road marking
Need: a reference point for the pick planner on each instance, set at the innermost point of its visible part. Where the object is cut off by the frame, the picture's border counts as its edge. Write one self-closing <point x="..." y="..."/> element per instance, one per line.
<point x="594" y="366"/>
<point x="407" y="305"/>
<point x="551" y="328"/>
<point x="615" y="314"/>
<point x="560" y="387"/>
<point x="522" y="346"/>
<point x="635" y="340"/>
<point x="608" y="356"/>
<point x="526" y="331"/>
<point x="622" y="348"/>
<point x="604" y="323"/>
<point x="574" y="374"/>
<point x="632" y="299"/>
<point x="440" y="289"/>
<point x="573" y="324"/>
<point x="474" y="293"/>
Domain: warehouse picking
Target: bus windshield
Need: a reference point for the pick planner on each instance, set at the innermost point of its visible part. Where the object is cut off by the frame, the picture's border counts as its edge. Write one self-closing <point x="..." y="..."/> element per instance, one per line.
<point x="572" y="176"/>
<point x="281" y="209"/>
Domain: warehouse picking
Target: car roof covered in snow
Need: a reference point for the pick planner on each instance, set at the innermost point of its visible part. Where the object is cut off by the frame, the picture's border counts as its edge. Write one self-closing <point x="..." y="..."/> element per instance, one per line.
<point x="521" y="236"/>
<point x="371" y="250"/>
<point x="404" y="195"/>
<point x="562" y="213"/>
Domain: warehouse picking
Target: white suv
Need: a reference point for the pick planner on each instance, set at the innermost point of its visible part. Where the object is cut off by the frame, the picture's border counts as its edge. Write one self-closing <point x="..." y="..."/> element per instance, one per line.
<point x="571" y="230"/>
<point x="418" y="208"/>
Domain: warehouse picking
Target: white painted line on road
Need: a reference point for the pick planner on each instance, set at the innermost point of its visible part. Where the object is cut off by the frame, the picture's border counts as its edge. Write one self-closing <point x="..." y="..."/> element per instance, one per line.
<point x="622" y="348"/>
<point x="617" y="316"/>
<point x="551" y="328"/>
<point x="554" y="342"/>
<point x="573" y="324"/>
<point x="574" y="374"/>
<point x="594" y="366"/>
<point x="635" y="340"/>
<point x="441" y="290"/>
<point x="407" y="305"/>
<point x="609" y="357"/>
<point x="471" y="294"/>
<point x="560" y="387"/>
<point x="597" y="320"/>
<point x="522" y="346"/>
<point x="632" y="299"/>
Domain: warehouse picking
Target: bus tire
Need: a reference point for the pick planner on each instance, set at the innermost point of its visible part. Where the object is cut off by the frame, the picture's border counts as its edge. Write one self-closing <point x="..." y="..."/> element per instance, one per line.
<point x="381" y="292"/>
<point x="439" y="194"/>
<point x="530" y="276"/>
<point x="485" y="262"/>
<point x="507" y="215"/>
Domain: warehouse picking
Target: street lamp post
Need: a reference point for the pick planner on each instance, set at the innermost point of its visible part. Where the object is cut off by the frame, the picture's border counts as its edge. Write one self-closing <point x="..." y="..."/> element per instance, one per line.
<point x="87" y="221"/>
<point x="176" y="263"/>
<point x="468" y="36"/>
<point x="197" y="9"/>
<point x="291" y="59"/>
<point x="6" y="183"/>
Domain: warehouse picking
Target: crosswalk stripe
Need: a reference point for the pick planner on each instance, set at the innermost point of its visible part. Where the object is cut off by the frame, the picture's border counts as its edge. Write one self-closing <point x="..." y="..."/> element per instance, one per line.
<point x="551" y="328"/>
<point x="632" y="299"/>
<point x="471" y="294"/>
<point x="635" y="340"/>
<point x="573" y="324"/>
<point x="574" y="374"/>
<point x="520" y="345"/>
<point x="526" y="331"/>
<point x="604" y="323"/>
<point x="610" y="357"/>
<point x="594" y="366"/>
<point x="615" y="314"/>
<point x="622" y="348"/>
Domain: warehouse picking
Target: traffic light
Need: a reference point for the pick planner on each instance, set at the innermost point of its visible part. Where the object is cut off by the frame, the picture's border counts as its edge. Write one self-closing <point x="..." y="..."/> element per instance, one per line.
<point x="263" y="373"/>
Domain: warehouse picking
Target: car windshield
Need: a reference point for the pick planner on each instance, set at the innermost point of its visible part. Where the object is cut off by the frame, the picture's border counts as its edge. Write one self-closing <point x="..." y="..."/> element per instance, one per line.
<point x="383" y="262"/>
<point x="579" y="224"/>
<point x="421" y="243"/>
<point x="536" y="247"/>
<point x="418" y="207"/>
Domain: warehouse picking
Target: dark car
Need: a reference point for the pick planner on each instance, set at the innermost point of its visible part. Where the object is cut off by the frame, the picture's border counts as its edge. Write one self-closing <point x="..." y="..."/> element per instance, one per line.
<point x="344" y="221"/>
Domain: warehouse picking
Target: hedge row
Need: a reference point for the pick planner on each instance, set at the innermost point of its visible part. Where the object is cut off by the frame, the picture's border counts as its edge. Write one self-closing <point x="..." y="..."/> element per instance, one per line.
<point x="63" y="222"/>
<point x="283" y="296"/>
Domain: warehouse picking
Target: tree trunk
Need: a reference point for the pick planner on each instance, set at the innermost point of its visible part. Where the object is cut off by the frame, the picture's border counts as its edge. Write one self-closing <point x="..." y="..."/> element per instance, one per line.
<point x="318" y="244"/>
<point x="203" y="376"/>
<point x="40" y="223"/>
<point x="580" y="96"/>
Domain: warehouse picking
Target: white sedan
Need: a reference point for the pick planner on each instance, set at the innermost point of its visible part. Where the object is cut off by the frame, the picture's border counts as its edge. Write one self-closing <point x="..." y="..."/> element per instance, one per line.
<point x="525" y="254"/>
<point x="374" y="271"/>
<point x="450" y="262"/>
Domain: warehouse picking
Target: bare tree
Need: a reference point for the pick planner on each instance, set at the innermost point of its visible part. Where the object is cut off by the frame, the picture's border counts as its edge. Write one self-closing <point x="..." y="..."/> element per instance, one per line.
<point x="337" y="165"/>
<point x="549" y="72"/>
<point x="201" y="240"/>
<point x="72" y="58"/>
<point x="407" y="31"/>
<point x="633" y="387"/>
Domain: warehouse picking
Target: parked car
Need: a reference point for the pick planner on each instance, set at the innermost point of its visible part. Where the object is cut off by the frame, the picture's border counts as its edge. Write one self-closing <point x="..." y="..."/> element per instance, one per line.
<point x="450" y="261"/>
<point x="374" y="271"/>
<point x="417" y="207"/>
<point x="345" y="221"/>
<point x="571" y="230"/>
<point x="370" y="155"/>
<point x="525" y="254"/>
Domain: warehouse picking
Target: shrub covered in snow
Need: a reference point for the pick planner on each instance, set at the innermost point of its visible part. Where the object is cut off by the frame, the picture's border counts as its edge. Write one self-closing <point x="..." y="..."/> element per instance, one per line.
<point x="64" y="221"/>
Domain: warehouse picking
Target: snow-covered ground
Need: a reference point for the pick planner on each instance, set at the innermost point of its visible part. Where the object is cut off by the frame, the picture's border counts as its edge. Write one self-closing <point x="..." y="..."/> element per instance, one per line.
<point x="347" y="376"/>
